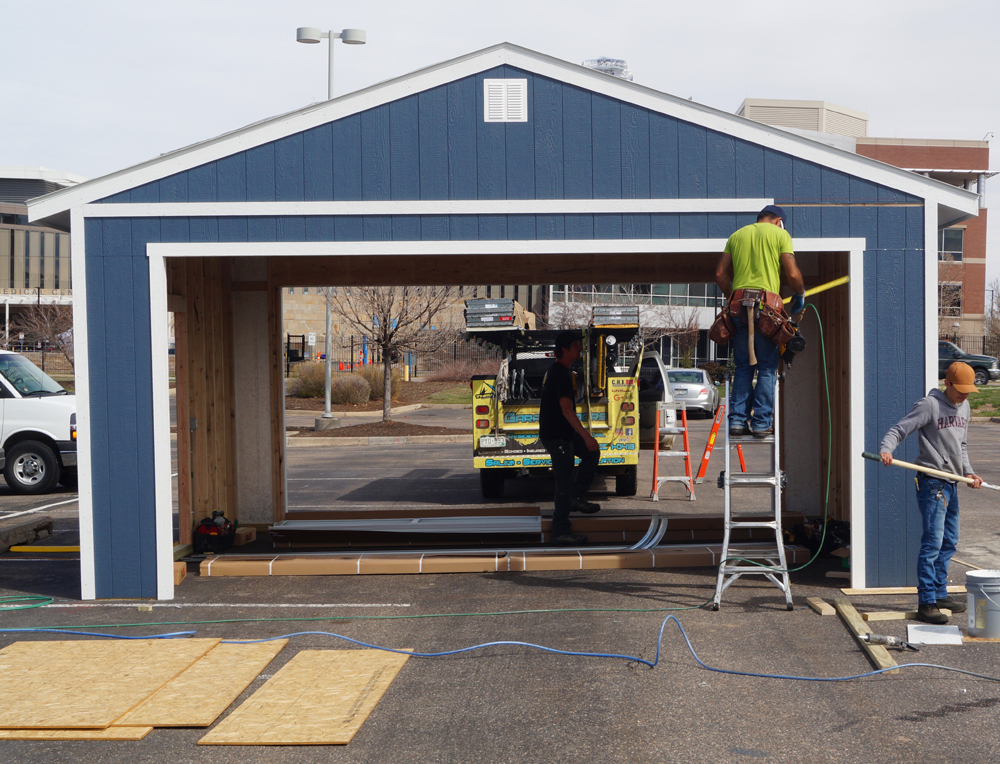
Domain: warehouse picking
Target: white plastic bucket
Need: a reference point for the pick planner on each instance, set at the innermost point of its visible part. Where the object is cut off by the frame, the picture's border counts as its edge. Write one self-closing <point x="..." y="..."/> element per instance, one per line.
<point x="983" y="588"/>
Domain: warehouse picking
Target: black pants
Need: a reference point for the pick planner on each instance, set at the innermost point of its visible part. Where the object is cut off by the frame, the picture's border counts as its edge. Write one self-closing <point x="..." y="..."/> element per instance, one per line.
<point x="571" y="483"/>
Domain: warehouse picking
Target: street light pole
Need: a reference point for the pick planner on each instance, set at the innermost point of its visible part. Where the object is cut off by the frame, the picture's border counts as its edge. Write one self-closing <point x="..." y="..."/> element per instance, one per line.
<point x="311" y="36"/>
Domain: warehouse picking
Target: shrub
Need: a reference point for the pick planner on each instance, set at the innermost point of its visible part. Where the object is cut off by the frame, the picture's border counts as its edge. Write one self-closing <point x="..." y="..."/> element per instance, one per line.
<point x="349" y="388"/>
<point x="462" y="371"/>
<point x="308" y="380"/>
<point x="374" y="376"/>
<point x="715" y="370"/>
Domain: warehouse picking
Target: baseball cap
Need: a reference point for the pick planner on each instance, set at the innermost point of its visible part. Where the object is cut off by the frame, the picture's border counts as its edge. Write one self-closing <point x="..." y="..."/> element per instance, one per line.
<point x="775" y="210"/>
<point x="962" y="377"/>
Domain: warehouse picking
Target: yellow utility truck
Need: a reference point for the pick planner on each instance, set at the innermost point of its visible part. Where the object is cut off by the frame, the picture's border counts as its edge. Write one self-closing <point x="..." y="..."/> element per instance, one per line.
<point x="505" y="405"/>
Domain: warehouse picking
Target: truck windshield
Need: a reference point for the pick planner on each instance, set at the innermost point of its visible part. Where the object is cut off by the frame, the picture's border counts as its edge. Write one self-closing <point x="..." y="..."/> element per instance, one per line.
<point x="27" y="378"/>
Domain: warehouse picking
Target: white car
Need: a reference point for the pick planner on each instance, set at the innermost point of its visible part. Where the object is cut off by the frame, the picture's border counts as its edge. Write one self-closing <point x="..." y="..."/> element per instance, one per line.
<point x="653" y="389"/>
<point x="38" y="430"/>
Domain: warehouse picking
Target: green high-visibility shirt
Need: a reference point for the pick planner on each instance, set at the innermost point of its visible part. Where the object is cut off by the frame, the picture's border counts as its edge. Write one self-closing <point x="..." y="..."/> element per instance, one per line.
<point x="756" y="250"/>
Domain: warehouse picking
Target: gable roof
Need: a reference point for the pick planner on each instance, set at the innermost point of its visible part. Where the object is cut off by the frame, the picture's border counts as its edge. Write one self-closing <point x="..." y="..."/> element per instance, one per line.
<point x="954" y="204"/>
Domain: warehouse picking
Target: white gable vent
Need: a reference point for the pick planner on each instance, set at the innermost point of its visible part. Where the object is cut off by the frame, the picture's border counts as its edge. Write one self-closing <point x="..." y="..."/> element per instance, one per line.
<point x="505" y="100"/>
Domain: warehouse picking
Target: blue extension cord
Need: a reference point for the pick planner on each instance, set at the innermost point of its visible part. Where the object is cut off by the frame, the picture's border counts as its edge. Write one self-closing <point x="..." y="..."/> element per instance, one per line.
<point x="652" y="664"/>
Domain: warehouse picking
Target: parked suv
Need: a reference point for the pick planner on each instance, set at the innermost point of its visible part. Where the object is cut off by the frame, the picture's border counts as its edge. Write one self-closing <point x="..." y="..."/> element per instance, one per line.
<point x="38" y="427"/>
<point x="985" y="366"/>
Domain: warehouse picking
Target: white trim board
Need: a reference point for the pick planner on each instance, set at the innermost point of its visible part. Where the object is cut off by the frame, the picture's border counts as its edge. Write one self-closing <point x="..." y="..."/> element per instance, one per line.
<point x="428" y="207"/>
<point x="157" y="254"/>
<point x="966" y="202"/>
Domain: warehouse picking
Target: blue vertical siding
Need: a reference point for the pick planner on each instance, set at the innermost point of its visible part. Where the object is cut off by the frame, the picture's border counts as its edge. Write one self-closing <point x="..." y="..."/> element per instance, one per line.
<point x="433" y="145"/>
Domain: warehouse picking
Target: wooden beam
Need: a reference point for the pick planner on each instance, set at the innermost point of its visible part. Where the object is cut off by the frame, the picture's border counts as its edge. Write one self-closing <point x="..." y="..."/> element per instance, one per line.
<point x="896" y="615"/>
<point x="185" y="521"/>
<point x="229" y="391"/>
<point x="201" y="505"/>
<point x="249" y="286"/>
<point x="895" y="590"/>
<point x="820" y="606"/>
<point x="432" y="270"/>
<point x="877" y="654"/>
<point x="277" y="374"/>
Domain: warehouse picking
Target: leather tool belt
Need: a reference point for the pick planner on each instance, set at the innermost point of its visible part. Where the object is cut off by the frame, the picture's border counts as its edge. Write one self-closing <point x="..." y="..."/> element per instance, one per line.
<point x="764" y="310"/>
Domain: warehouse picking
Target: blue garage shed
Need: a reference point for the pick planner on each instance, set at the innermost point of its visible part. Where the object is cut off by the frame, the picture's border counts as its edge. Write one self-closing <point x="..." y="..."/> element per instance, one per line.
<point x="506" y="162"/>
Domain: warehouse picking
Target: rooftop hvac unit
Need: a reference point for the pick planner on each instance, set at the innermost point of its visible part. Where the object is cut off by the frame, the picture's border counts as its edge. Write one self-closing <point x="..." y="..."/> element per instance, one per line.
<point x="616" y="67"/>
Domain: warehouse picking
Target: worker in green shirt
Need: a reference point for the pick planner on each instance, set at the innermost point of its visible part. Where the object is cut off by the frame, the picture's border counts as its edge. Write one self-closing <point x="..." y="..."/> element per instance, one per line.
<point x="754" y="258"/>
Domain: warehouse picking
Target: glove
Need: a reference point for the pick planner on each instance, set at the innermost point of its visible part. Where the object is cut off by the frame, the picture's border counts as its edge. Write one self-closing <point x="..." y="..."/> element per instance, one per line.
<point x="798" y="304"/>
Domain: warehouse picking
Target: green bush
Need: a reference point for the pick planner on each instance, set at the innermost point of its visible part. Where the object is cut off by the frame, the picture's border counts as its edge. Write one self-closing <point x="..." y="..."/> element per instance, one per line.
<point x="715" y="370"/>
<point x="308" y="380"/>
<point x="349" y="388"/>
<point x="374" y="376"/>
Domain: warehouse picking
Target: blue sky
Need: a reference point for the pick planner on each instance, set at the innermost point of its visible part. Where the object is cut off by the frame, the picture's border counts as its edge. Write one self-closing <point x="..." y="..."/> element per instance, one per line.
<point x="90" y="88"/>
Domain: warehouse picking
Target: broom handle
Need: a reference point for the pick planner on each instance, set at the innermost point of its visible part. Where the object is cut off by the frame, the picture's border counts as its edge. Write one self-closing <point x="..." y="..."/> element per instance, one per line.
<point x="928" y="470"/>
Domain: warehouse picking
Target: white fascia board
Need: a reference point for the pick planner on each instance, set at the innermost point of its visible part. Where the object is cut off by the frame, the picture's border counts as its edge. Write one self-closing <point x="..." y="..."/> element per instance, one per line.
<point x="162" y="496"/>
<point x="429" y="207"/>
<point x="81" y="343"/>
<point x="474" y="63"/>
<point x="466" y="248"/>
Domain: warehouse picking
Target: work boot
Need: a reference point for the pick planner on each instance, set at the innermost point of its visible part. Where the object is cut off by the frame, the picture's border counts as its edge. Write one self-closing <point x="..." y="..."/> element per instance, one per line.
<point x="955" y="606"/>
<point x="582" y="505"/>
<point x="737" y="431"/>
<point x="568" y="538"/>
<point x="930" y="613"/>
<point x="763" y="433"/>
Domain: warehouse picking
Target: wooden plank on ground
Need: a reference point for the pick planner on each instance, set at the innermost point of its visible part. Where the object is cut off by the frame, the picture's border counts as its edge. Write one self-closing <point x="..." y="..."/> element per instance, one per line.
<point x="320" y="697"/>
<point x="895" y="590"/>
<point x="896" y="615"/>
<point x="877" y="654"/>
<point x="87" y="683"/>
<point x="821" y="606"/>
<point x="204" y="691"/>
<point x="111" y="733"/>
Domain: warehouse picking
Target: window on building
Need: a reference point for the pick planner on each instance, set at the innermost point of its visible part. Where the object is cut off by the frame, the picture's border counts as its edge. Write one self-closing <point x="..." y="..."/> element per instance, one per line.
<point x="949" y="299"/>
<point x="951" y="242"/>
<point x="305" y="290"/>
<point x="291" y="290"/>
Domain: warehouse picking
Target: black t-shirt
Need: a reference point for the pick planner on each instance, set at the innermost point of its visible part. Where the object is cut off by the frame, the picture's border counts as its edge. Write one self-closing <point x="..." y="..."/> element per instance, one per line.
<point x="552" y="424"/>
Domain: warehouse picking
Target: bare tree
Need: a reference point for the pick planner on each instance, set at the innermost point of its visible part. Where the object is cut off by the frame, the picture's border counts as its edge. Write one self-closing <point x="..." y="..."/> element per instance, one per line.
<point x="949" y="296"/>
<point x="396" y="319"/>
<point x="49" y="324"/>
<point x="992" y="323"/>
<point x="682" y="328"/>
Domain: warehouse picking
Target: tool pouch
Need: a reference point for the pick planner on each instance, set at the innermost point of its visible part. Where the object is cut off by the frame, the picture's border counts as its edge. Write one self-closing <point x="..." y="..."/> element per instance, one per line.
<point x="773" y="322"/>
<point x="723" y="329"/>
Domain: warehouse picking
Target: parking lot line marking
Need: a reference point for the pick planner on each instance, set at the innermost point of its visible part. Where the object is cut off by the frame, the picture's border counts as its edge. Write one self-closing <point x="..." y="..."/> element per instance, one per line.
<point x="226" y="604"/>
<point x="38" y="509"/>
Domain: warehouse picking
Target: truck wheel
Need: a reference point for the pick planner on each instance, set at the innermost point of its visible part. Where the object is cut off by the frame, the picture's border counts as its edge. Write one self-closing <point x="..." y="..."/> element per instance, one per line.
<point x="491" y="483"/>
<point x="31" y="468"/>
<point x="982" y="377"/>
<point x="627" y="483"/>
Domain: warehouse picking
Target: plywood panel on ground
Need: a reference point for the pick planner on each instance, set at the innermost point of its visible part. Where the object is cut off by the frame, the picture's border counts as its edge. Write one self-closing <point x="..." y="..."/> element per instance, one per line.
<point x="110" y="733"/>
<point x="89" y="684"/>
<point x="205" y="689"/>
<point x="320" y="697"/>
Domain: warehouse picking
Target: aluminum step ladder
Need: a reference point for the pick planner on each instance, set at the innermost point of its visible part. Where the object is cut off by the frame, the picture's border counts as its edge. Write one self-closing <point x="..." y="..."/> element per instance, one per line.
<point x="739" y="560"/>
<point x="686" y="479"/>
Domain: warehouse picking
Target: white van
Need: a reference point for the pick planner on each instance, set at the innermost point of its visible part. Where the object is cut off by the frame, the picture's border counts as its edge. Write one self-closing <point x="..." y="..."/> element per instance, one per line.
<point x="37" y="428"/>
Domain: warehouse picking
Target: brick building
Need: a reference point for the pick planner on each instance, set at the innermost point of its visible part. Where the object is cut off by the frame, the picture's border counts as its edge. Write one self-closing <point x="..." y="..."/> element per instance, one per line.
<point x="962" y="247"/>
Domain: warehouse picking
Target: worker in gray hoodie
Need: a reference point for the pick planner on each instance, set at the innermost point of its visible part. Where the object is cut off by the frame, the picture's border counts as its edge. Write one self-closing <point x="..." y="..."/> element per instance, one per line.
<point x="941" y="420"/>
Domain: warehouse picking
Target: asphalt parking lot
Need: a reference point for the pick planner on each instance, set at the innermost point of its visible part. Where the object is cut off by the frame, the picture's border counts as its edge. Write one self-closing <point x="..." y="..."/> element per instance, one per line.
<point x="512" y="704"/>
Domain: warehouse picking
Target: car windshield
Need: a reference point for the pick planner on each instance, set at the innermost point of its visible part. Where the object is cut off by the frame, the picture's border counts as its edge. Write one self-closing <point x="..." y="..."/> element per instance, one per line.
<point x="27" y="378"/>
<point x="686" y="377"/>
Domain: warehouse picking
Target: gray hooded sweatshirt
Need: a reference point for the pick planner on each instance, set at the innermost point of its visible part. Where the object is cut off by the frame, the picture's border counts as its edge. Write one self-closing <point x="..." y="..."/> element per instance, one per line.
<point x="942" y="429"/>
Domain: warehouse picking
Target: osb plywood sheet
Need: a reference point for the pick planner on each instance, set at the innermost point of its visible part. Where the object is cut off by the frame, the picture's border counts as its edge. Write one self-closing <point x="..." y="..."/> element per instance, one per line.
<point x="198" y="696"/>
<point x="320" y="697"/>
<point x="111" y="733"/>
<point x="87" y="683"/>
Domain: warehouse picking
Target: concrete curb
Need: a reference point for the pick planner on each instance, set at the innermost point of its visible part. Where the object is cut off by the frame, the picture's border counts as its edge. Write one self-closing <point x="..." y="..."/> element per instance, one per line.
<point x="20" y="531"/>
<point x="466" y="406"/>
<point x="338" y="414"/>
<point x="294" y="442"/>
<point x="985" y="419"/>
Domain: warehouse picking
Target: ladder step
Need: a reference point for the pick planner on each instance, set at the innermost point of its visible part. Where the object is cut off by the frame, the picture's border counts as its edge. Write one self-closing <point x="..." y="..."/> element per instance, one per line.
<point x="755" y="524"/>
<point x="744" y="439"/>
<point x="753" y="553"/>
<point x="751" y="477"/>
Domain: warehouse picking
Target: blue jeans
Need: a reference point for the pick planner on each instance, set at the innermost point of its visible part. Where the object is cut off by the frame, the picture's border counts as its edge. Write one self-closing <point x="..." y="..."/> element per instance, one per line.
<point x="938" y="502"/>
<point x="740" y="403"/>
<point x="571" y="483"/>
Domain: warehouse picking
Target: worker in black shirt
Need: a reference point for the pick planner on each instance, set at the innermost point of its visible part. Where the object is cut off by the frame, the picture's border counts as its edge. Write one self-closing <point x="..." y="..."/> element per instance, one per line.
<point x="564" y="437"/>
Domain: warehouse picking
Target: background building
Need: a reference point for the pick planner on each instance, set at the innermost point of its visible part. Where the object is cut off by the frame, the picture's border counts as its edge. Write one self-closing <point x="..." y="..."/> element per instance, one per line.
<point x="34" y="259"/>
<point x="961" y="248"/>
